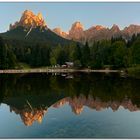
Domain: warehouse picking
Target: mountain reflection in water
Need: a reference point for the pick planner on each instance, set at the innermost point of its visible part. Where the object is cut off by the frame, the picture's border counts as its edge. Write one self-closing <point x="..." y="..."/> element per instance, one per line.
<point x="77" y="104"/>
<point x="31" y="95"/>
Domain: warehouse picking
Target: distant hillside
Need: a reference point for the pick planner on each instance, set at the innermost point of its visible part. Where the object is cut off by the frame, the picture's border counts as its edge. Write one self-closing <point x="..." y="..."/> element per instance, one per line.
<point x="32" y="36"/>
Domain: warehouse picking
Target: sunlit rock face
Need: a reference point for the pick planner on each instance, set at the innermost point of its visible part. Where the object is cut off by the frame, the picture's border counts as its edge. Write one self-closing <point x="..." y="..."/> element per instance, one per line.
<point x="61" y="102"/>
<point x="115" y="28"/>
<point x="29" y="19"/>
<point x="76" y="32"/>
<point x="99" y="27"/>
<point x="77" y="104"/>
<point x="59" y="32"/>
<point x="132" y="29"/>
<point x="98" y="32"/>
<point x="115" y="31"/>
<point x="94" y="33"/>
<point x="30" y="116"/>
<point x="127" y="104"/>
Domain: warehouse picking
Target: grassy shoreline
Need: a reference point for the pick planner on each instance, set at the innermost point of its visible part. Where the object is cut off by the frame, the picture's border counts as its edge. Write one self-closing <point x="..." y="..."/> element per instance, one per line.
<point x="134" y="71"/>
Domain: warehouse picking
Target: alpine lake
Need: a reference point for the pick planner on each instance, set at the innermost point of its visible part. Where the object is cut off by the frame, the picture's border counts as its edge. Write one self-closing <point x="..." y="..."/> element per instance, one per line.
<point x="69" y="105"/>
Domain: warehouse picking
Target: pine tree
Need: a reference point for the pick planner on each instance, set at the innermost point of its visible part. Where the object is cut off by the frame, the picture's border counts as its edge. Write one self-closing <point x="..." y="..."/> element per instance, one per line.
<point x="85" y="55"/>
<point x="3" y="54"/>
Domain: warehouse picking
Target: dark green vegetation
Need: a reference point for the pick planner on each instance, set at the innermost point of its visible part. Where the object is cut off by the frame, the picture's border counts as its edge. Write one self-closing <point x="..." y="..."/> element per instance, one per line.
<point x="21" y="37"/>
<point x="134" y="71"/>
<point x="43" y="90"/>
<point x="7" y="56"/>
<point x="44" y="48"/>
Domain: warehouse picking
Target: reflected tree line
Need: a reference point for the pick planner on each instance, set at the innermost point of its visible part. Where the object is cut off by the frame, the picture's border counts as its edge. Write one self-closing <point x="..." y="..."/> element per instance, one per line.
<point x="107" y="87"/>
<point x="30" y="95"/>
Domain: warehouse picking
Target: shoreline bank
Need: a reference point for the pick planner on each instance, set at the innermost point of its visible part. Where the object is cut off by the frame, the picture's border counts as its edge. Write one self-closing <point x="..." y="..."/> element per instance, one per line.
<point x="55" y="71"/>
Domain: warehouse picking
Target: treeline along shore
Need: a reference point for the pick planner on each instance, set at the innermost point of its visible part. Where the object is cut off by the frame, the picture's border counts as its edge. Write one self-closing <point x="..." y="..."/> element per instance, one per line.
<point x="114" y="55"/>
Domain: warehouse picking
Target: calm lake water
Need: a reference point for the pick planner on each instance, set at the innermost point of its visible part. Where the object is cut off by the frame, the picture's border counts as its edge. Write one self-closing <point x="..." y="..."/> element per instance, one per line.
<point x="75" y="105"/>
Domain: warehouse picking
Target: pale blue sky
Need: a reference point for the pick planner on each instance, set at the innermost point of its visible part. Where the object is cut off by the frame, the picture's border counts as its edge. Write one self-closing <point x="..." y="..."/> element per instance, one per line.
<point x="64" y="14"/>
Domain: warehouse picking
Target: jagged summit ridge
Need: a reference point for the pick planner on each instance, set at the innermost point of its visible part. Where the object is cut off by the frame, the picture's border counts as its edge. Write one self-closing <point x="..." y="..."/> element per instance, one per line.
<point x="77" y="25"/>
<point x="77" y="105"/>
<point x="76" y="31"/>
<point x="98" y="32"/>
<point x="29" y="19"/>
<point x="59" y="32"/>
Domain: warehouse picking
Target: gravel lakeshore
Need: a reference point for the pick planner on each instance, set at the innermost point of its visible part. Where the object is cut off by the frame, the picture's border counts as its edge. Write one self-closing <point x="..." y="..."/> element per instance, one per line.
<point x="55" y="71"/>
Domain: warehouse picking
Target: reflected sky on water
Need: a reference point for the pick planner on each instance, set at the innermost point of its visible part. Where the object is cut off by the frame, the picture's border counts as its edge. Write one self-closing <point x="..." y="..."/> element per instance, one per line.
<point x="69" y="106"/>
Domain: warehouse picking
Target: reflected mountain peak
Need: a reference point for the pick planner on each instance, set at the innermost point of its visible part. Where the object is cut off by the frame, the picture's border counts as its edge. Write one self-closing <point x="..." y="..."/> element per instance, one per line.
<point x="77" y="104"/>
<point x="101" y="92"/>
<point x="30" y="116"/>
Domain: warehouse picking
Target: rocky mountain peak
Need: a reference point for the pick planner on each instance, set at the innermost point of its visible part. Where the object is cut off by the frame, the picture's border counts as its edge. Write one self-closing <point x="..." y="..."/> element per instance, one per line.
<point x="115" y="28"/>
<point x="29" y="19"/>
<point x="77" y="26"/>
<point x="132" y="27"/>
<point x="58" y="31"/>
<point x="39" y="15"/>
<point x="99" y="27"/>
<point x="77" y="31"/>
<point x="98" y="32"/>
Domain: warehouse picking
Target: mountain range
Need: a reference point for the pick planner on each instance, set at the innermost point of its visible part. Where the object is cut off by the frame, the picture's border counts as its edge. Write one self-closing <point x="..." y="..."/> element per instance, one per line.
<point x="33" y="28"/>
<point x="30" y="41"/>
<point x="77" y="104"/>
<point x="97" y="33"/>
